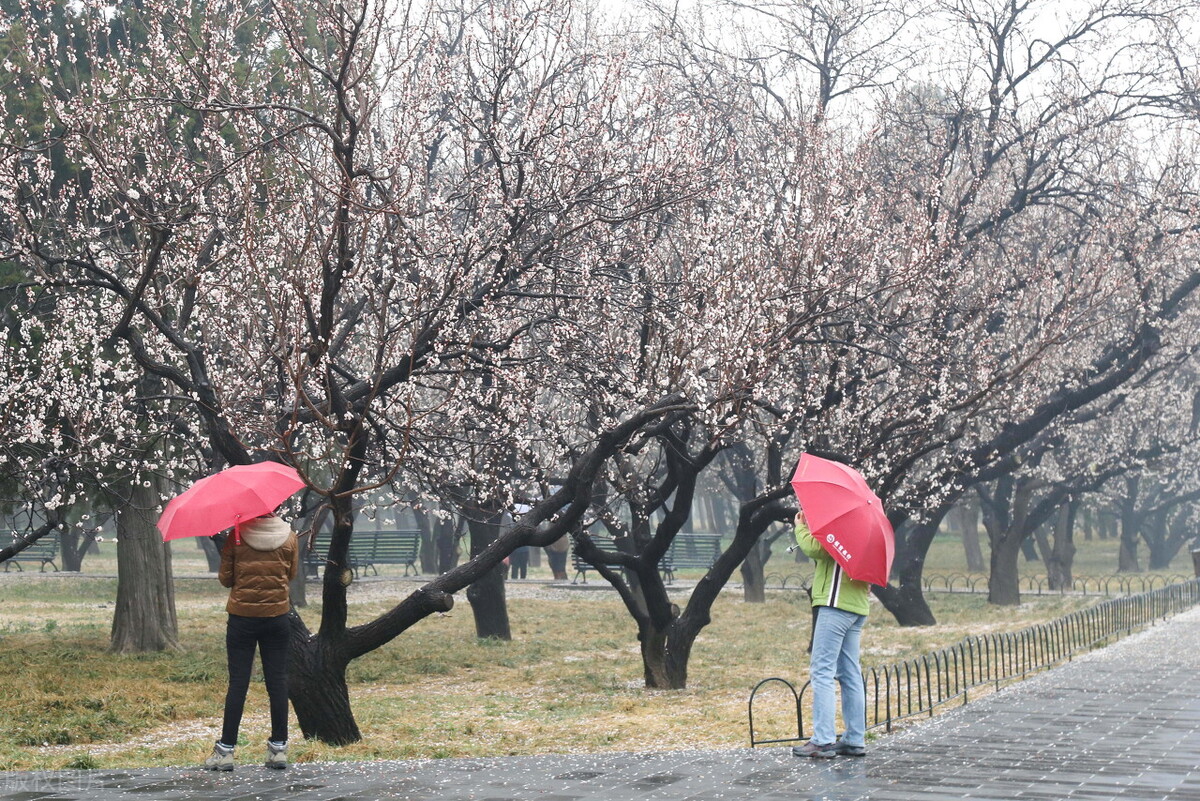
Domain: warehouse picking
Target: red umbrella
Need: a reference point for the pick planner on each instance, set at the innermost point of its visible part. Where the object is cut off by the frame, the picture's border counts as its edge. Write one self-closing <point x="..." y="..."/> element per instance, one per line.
<point x="846" y="517"/>
<point x="221" y="501"/>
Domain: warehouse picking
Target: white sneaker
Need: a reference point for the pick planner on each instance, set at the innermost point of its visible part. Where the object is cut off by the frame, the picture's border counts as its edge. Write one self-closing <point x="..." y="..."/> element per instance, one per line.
<point x="221" y="758"/>
<point x="276" y="756"/>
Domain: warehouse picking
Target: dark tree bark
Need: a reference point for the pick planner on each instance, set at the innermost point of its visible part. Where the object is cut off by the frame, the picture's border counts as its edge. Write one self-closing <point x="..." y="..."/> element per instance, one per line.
<point x="1015" y="519"/>
<point x="968" y="522"/>
<point x="1010" y="521"/>
<point x="753" y="570"/>
<point x="633" y="568"/>
<point x="741" y="480"/>
<point x="1131" y="525"/>
<point x="1004" y="587"/>
<point x="1058" y="547"/>
<point x="667" y="634"/>
<point x="754" y="517"/>
<point x="322" y="703"/>
<point x="905" y="598"/>
<point x="447" y="543"/>
<point x="486" y="594"/>
<point x="1005" y="512"/>
<point x="427" y="525"/>
<point x="73" y="547"/>
<point x="1029" y="550"/>
<point x="317" y="688"/>
<point x="212" y="553"/>
<point x="1168" y="539"/>
<point x="144" y="619"/>
<point x="298" y="587"/>
<point x="20" y="542"/>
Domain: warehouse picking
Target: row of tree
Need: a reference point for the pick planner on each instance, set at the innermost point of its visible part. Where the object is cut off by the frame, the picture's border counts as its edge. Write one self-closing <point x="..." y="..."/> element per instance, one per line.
<point x="515" y="254"/>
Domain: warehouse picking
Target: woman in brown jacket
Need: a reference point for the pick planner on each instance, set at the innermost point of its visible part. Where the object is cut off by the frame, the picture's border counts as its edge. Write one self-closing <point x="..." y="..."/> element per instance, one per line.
<point x="260" y="558"/>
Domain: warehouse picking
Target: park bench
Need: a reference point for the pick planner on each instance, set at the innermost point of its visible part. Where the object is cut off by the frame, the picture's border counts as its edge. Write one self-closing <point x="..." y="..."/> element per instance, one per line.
<point x="690" y="552"/>
<point x="687" y="551"/>
<point x="44" y="552"/>
<point x="391" y="548"/>
<point x="580" y="565"/>
<point x="368" y="549"/>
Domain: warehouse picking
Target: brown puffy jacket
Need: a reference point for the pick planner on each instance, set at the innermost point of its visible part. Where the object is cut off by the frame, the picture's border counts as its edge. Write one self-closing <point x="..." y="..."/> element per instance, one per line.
<point x="258" y="571"/>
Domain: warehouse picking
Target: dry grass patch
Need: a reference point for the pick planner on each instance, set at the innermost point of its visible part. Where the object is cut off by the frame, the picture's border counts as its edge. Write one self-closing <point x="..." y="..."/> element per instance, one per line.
<point x="570" y="681"/>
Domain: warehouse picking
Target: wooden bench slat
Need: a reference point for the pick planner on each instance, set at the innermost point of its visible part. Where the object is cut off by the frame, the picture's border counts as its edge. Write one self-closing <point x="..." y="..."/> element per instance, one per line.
<point x="580" y="565"/>
<point x="691" y="551"/>
<point x="369" y="548"/>
<point x="687" y="551"/>
<point x="44" y="552"/>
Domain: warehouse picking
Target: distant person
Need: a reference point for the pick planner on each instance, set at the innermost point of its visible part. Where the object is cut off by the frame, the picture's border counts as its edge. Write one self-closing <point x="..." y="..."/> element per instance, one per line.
<point x="258" y="561"/>
<point x="518" y="562"/>
<point x="840" y="606"/>
<point x="556" y="555"/>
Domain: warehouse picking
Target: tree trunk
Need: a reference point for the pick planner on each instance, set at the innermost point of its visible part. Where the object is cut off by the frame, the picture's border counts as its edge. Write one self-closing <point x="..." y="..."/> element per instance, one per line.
<point x="317" y="684"/>
<point x="1005" y="514"/>
<point x="447" y="544"/>
<point x="1064" y="544"/>
<point x="1127" y="556"/>
<point x="486" y="594"/>
<point x="654" y="661"/>
<point x="144" y="619"/>
<point x="666" y="651"/>
<point x="722" y="515"/>
<point x="71" y="550"/>
<point x="212" y="553"/>
<point x="968" y="519"/>
<point x="429" y="545"/>
<point x="298" y="587"/>
<point x="907" y="604"/>
<point x="1127" y="560"/>
<point x="905" y="599"/>
<point x="1060" y="554"/>
<point x="489" y="606"/>
<point x="1029" y="550"/>
<point x="754" y="585"/>
<point x="679" y="651"/>
<point x="1004" y="585"/>
<point x="1166" y="540"/>
<point x="318" y="691"/>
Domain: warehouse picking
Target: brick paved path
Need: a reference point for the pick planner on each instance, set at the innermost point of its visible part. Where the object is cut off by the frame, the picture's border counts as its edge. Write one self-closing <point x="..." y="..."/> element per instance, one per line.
<point x="1122" y="722"/>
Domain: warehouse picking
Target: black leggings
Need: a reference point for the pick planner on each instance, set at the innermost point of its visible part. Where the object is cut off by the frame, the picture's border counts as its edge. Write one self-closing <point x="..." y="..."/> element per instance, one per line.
<point x="271" y="635"/>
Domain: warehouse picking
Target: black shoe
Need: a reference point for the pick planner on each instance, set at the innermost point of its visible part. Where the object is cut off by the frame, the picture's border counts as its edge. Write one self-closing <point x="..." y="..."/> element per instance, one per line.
<point x="842" y="749"/>
<point x="815" y="750"/>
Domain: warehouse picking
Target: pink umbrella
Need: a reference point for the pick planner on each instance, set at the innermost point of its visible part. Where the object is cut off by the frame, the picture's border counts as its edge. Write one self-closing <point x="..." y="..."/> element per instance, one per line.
<point x="846" y="517"/>
<point x="217" y="502"/>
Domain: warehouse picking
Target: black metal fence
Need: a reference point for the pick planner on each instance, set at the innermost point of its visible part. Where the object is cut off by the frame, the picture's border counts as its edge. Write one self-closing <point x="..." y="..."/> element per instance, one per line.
<point x="919" y="686"/>
<point x="1038" y="585"/>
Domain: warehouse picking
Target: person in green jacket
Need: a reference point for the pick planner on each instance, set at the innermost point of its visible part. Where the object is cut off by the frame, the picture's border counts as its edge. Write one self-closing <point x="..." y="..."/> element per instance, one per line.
<point x="841" y="610"/>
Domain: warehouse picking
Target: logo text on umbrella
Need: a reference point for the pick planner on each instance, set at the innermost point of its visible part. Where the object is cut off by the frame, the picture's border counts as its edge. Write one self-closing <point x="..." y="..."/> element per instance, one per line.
<point x="832" y="540"/>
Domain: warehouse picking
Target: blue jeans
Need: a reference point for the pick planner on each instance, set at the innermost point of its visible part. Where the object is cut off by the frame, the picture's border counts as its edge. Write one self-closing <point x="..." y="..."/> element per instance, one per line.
<point x="836" y="637"/>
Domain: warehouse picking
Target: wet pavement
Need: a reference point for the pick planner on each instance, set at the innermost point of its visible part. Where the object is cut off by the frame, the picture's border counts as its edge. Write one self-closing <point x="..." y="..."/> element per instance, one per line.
<point x="1122" y="722"/>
